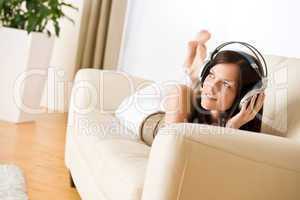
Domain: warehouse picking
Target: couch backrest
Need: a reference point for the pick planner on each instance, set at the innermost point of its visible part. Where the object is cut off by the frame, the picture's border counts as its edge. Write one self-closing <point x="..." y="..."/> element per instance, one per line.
<point x="282" y="103"/>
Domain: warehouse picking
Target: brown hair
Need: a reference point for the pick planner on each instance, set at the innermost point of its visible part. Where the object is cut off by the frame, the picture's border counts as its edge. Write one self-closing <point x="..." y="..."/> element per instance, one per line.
<point x="248" y="79"/>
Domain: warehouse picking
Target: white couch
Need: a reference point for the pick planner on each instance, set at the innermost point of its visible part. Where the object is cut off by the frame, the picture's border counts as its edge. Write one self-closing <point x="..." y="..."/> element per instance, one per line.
<point x="186" y="161"/>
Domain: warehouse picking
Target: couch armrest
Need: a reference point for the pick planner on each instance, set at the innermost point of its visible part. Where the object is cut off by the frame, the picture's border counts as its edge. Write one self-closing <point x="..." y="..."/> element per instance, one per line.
<point x="193" y="161"/>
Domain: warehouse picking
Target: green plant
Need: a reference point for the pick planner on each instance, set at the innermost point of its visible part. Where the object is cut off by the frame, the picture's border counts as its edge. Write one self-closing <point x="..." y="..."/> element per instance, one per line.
<point x="33" y="15"/>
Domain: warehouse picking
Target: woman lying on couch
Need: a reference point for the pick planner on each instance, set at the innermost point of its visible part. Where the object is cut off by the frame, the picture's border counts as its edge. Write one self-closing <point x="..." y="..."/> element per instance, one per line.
<point x="216" y="99"/>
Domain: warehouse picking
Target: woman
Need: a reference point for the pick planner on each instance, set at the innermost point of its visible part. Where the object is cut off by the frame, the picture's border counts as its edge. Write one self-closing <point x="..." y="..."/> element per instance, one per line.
<point x="216" y="101"/>
<point x="229" y="78"/>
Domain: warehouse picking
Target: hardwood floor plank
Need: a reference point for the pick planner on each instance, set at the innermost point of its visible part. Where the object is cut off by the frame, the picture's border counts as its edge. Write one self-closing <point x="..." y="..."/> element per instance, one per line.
<point x="38" y="148"/>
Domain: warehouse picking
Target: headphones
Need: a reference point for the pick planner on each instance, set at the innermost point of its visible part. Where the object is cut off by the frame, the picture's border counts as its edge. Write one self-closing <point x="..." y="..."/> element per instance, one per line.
<point x="262" y="73"/>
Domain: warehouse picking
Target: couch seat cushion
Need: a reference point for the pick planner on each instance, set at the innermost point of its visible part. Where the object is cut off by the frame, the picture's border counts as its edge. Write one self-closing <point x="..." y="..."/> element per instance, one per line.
<point x="116" y="157"/>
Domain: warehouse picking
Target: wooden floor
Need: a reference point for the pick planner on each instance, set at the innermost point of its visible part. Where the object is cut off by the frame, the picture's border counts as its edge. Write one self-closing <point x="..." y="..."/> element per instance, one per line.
<point x="38" y="148"/>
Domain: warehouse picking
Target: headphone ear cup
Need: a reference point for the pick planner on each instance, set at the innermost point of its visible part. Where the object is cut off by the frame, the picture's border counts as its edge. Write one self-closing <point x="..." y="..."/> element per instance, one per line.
<point x="248" y="96"/>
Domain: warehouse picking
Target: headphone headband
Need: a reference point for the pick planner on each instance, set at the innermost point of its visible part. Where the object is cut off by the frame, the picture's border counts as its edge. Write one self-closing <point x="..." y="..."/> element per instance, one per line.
<point x="255" y="52"/>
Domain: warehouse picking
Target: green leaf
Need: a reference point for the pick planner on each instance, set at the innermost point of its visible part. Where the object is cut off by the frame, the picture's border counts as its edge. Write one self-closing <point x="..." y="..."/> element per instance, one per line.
<point x="48" y="33"/>
<point x="34" y="15"/>
<point x="56" y="28"/>
<point x="69" y="5"/>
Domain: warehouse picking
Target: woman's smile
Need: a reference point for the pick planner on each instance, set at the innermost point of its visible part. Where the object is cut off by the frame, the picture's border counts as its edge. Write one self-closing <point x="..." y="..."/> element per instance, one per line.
<point x="209" y="97"/>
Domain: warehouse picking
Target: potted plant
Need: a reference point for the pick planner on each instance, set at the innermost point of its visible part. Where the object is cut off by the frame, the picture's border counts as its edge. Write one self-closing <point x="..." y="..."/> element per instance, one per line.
<point x="27" y="32"/>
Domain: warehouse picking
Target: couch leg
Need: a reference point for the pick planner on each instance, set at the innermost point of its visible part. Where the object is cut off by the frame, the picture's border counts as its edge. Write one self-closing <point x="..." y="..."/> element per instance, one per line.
<point x="72" y="184"/>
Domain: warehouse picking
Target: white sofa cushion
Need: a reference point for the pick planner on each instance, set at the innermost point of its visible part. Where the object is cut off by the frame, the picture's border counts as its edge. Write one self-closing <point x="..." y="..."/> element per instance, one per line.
<point x="282" y="102"/>
<point x="135" y="108"/>
<point x="116" y="157"/>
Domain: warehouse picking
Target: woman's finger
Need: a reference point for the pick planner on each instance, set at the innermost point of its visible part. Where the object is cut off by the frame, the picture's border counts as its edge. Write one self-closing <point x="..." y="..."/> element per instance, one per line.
<point x="244" y="106"/>
<point x="252" y="103"/>
<point x="259" y="102"/>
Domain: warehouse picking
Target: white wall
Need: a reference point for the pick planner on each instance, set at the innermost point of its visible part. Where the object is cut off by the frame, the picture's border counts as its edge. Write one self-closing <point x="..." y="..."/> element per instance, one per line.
<point x="158" y="30"/>
<point x="62" y="65"/>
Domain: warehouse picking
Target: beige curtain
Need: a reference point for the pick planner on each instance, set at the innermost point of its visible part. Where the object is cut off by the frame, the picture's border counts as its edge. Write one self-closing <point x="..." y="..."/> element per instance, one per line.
<point x="100" y="33"/>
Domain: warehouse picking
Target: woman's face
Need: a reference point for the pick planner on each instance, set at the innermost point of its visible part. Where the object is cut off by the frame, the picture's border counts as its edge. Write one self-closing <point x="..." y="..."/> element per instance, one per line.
<point x="220" y="87"/>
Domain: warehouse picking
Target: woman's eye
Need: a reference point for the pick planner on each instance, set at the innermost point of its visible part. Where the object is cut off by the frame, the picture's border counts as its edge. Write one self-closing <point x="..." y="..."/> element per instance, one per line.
<point x="210" y="75"/>
<point x="226" y="84"/>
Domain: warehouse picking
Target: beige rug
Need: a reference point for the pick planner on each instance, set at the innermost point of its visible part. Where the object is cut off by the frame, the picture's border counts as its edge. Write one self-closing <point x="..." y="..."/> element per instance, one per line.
<point x="12" y="183"/>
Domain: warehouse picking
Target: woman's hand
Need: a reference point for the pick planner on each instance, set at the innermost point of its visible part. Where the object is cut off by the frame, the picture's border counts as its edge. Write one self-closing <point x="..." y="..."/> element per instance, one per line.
<point x="247" y="113"/>
<point x="196" y="55"/>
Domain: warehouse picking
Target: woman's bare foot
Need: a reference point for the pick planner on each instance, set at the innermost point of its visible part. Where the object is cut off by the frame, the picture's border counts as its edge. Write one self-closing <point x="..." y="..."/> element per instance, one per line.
<point x="202" y="37"/>
<point x="196" y="54"/>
